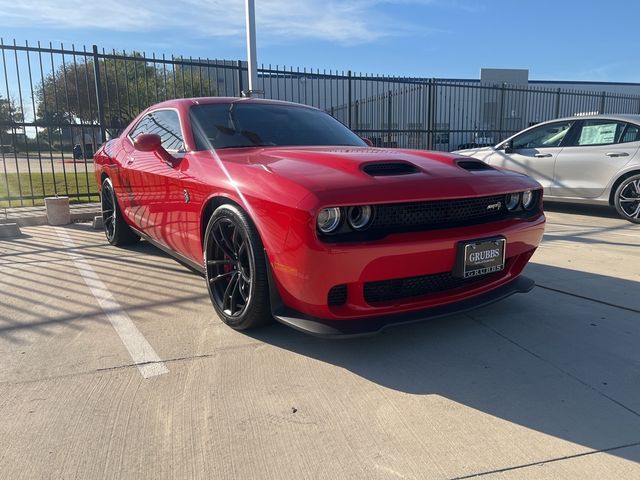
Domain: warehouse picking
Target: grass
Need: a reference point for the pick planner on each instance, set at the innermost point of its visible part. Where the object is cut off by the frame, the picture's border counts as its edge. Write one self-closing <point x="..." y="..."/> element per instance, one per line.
<point x="45" y="185"/>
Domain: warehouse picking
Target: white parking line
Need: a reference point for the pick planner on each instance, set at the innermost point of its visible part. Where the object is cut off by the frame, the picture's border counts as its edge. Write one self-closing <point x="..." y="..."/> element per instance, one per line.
<point x="141" y="351"/>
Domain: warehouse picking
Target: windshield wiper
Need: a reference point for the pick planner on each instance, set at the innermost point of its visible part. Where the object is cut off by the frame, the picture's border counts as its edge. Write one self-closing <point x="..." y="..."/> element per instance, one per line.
<point x="253" y="137"/>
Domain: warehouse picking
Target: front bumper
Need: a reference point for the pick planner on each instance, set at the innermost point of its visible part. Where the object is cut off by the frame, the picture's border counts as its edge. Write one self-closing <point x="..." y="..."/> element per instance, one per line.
<point x="307" y="270"/>
<point x="370" y="326"/>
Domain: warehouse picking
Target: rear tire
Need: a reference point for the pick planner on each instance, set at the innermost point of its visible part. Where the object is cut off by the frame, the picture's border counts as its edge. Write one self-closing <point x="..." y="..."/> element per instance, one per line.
<point x="627" y="199"/>
<point x="116" y="230"/>
<point x="236" y="272"/>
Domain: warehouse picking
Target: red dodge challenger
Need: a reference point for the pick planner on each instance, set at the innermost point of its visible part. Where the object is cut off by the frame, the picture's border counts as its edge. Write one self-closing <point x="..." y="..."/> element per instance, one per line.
<point x="290" y="215"/>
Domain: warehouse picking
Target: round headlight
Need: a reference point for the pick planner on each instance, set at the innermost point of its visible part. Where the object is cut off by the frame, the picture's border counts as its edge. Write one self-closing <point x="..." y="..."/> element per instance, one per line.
<point x="360" y="217"/>
<point x="329" y="219"/>
<point x="512" y="201"/>
<point x="528" y="199"/>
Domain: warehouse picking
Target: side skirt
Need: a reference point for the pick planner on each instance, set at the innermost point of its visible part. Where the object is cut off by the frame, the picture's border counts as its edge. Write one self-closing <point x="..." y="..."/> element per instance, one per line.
<point x="187" y="262"/>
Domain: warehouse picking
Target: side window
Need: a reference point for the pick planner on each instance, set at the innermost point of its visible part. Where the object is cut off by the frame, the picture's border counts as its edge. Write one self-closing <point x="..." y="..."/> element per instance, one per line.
<point x="550" y="135"/>
<point x="165" y="123"/>
<point x="141" y="127"/>
<point x="630" y="134"/>
<point x="599" y="132"/>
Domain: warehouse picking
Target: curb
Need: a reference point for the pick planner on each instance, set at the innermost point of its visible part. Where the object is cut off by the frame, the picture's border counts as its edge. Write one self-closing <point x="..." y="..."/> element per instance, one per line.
<point x="36" y="220"/>
<point x="9" y="230"/>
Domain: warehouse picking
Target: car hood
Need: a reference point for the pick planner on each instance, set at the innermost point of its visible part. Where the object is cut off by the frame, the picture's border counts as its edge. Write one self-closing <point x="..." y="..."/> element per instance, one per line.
<point x="337" y="174"/>
<point x="481" y="153"/>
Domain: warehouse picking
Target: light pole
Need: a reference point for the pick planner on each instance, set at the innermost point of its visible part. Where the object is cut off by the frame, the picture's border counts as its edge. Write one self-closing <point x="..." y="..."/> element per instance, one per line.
<point x="252" y="63"/>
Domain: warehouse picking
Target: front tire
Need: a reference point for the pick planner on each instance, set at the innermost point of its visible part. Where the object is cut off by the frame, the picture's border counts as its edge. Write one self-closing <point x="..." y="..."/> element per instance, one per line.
<point x="627" y="199"/>
<point x="116" y="230"/>
<point x="235" y="267"/>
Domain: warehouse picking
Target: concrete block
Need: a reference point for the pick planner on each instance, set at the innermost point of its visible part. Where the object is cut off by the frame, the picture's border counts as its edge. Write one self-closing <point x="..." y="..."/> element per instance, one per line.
<point x="9" y="230"/>
<point x="58" y="211"/>
<point x="97" y="222"/>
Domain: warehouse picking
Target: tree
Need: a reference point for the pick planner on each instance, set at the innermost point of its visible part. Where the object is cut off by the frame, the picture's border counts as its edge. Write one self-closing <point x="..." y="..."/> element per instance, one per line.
<point x="68" y="95"/>
<point x="129" y="84"/>
<point x="9" y="116"/>
<point x="186" y="80"/>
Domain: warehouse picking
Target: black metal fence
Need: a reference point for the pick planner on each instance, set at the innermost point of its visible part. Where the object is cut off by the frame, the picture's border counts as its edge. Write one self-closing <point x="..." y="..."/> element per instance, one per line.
<point x="57" y="105"/>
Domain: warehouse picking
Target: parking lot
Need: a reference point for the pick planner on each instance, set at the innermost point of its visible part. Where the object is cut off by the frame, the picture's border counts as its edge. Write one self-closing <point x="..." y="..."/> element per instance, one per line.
<point x="115" y="366"/>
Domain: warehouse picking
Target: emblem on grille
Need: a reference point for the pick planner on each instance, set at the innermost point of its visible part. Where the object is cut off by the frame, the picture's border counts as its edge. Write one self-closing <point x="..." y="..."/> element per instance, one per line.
<point x="494" y="206"/>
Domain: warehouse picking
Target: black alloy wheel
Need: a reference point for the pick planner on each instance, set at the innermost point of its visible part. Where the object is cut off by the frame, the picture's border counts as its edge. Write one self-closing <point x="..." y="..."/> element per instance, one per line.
<point x="115" y="228"/>
<point x="235" y="269"/>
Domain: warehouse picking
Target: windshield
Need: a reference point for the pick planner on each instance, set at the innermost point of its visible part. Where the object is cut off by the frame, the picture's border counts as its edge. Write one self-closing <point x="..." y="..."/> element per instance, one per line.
<point x="234" y="125"/>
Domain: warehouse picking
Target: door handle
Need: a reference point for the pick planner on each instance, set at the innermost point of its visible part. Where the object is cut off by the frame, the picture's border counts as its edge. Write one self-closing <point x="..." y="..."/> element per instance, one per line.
<point x="543" y="155"/>
<point x="617" y="154"/>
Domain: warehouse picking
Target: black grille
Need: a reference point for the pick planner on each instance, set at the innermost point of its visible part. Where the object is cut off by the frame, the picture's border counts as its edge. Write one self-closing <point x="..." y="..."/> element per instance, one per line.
<point x="389" y="168"/>
<point x="399" y="288"/>
<point x="337" y="295"/>
<point x="392" y="218"/>
<point x="438" y="214"/>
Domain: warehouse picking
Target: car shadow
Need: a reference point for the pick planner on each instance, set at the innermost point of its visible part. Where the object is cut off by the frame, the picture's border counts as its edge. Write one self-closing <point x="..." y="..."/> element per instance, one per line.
<point x="547" y="361"/>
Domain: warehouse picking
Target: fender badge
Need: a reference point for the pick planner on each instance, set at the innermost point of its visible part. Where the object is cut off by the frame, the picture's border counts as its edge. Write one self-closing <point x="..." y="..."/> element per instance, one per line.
<point x="187" y="197"/>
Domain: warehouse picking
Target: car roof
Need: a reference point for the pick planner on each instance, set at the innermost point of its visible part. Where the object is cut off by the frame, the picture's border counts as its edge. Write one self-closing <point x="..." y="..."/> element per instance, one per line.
<point x="623" y="117"/>
<point x="187" y="102"/>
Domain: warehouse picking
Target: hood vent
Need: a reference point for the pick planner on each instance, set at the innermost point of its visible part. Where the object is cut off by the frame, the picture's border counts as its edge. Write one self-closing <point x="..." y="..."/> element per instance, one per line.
<point x="386" y="169"/>
<point x="473" y="165"/>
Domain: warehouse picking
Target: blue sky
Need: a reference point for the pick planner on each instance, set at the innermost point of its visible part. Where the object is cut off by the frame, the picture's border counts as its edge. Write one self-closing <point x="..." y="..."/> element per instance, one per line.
<point x="555" y="40"/>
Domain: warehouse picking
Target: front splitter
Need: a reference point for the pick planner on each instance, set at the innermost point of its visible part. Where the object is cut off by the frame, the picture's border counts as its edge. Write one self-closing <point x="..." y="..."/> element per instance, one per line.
<point x="373" y="325"/>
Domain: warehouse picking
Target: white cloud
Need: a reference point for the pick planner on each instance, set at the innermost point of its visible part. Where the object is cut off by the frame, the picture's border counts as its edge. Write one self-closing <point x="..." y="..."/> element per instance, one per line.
<point x="346" y="21"/>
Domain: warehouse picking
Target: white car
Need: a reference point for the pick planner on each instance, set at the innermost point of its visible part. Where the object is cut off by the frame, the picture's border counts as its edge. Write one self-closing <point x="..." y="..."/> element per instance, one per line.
<point x="587" y="159"/>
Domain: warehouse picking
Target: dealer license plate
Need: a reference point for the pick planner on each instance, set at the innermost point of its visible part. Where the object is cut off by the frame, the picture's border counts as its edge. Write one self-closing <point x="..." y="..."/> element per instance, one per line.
<point x="481" y="257"/>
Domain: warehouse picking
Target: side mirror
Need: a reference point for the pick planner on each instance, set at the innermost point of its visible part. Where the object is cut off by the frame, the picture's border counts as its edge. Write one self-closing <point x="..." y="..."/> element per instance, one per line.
<point x="367" y="141"/>
<point x="151" y="142"/>
<point x="147" y="142"/>
<point x="508" y="147"/>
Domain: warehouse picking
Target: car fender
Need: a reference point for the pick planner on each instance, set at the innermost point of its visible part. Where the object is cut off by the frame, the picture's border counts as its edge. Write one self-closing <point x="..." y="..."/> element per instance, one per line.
<point x="272" y="220"/>
<point x="629" y="168"/>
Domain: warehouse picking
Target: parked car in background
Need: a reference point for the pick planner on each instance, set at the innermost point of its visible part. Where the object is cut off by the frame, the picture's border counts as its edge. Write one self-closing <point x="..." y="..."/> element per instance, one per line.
<point x="290" y="215"/>
<point x="588" y="159"/>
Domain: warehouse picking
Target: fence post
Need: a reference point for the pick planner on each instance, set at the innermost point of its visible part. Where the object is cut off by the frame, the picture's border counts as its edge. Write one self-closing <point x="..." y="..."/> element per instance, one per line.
<point x="356" y="111"/>
<point x="558" y="103"/>
<point x="99" y="102"/>
<point x="349" y="99"/>
<point x="240" y="83"/>
<point x="501" y="119"/>
<point x="602" y="101"/>
<point x="430" y="113"/>
<point x="389" y="106"/>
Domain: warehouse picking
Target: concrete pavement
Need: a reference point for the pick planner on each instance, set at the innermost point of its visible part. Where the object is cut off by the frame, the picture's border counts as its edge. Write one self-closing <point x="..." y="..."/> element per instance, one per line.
<point x="542" y="385"/>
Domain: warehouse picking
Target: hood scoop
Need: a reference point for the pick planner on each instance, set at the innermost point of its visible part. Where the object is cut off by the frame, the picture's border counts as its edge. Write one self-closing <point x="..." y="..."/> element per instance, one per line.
<point x="473" y="165"/>
<point x="386" y="169"/>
